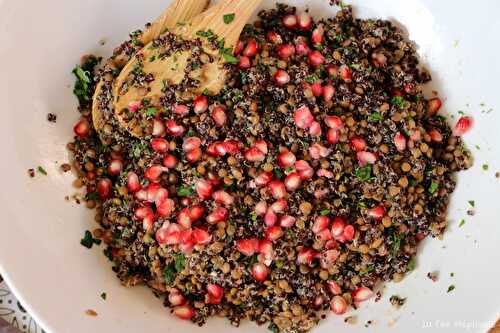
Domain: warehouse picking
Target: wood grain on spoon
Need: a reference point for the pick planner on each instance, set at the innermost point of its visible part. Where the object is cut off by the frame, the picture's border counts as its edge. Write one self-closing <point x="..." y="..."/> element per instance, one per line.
<point x="170" y="70"/>
<point x="178" y="11"/>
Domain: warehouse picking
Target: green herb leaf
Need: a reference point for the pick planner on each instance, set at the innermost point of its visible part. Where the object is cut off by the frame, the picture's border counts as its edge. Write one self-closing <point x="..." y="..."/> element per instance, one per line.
<point x="324" y="212"/>
<point x="398" y="100"/>
<point x="452" y="274"/>
<point x="375" y="117"/>
<point x="185" y="191"/>
<point x="472" y="203"/>
<point x="278" y="173"/>
<point x="228" y="18"/>
<point x="169" y="274"/>
<point x="230" y="58"/>
<point x="180" y="260"/>
<point x="396" y="244"/>
<point x="42" y="170"/>
<point x="311" y="79"/>
<point x="273" y="328"/>
<point x="461" y="224"/>
<point x="151" y="112"/>
<point x="243" y="77"/>
<point x="92" y="196"/>
<point x="87" y="240"/>
<point x="364" y="173"/>
<point x="450" y="288"/>
<point x="103" y="296"/>
<point x="82" y="84"/>
<point x="433" y="188"/>
<point x="253" y="216"/>
<point x="366" y="270"/>
<point x="412" y="263"/>
<point x="485" y="167"/>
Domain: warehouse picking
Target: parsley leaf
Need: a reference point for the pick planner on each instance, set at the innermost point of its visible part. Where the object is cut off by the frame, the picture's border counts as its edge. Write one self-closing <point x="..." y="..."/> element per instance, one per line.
<point x="366" y="270"/>
<point x="311" y="79"/>
<point x="169" y="274"/>
<point x="87" y="240"/>
<point x="92" y="196"/>
<point x="461" y="224"/>
<point x="450" y="288"/>
<point x="180" y="260"/>
<point x="324" y="212"/>
<point x="82" y="84"/>
<point x="412" y="263"/>
<point x="375" y="117"/>
<point x="42" y="170"/>
<point x="253" y="216"/>
<point x="433" y="188"/>
<point x="230" y="58"/>
<point x="398" y="100"/>
<point x="103" y="296"/>
<point x="151" y="112"/>
<point x="185" y="191"/>
<point x="485" y="167"/>
<point x="228" y="18"/>
<point x="472" y="203"/>
<point x="364" y="173"/>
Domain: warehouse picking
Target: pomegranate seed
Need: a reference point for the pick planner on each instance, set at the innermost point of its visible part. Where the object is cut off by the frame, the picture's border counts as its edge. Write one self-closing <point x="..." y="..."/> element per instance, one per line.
<point x="362" y="294"/>
<point x="260" y="272"/>
<point x="318" y="301"/>
<point x="462" y="126"/>
<point x="253" y="154"/>
<point x="263" y="179"/>
<point x="277" y="189"/>
<point x="315" y="129"/>
<point x="293" y="181"/>
<point x="203" y="189"/>
<point x="345" y="73"/>
<point x="184" y="312"/>
<point x="333" y="70"/>
<point x="316" y="59"/>
<point x="290" y="21"/>
<point x="376" y="212"/>
<point x="175" y="298"/>
<point x="286" y="159"/>
<point x="187" y="247"/>
<point x="305" y="256"/>
<point x="115" y="167"/>
<point x="184" y="218"/>
<point x="359" y="144"/>
<point x="154" y="172"/>
<point x="285" y="51"/>
<point x="185" y="201"/>
<point x="170" y="161"/>
<point x="435" y="135"/>
<point x="279" y="206"/>
<point x="334" y="122"/>
<point x="82" y="128"/>
<point x="260" y="208"/>
<point x="304" y="169"/>
<point x="251" y="48"/>
<point x="281" y="77"/>
<point x="301" y="47"/>
<point x="104" y="188"/>
<point x="174" y="129"/>
<point x="396" y="92"/>
<point x="332" y="136"/>
<point x="328" y="257"/>
<point x="238" y="48"/>
<point x="303" y="117"/>
<point x="304" y="21"/>
<point x="181" y="109"/>
<point x="261" y="145"/>
<point x="200" y="104"/>
<point x="400" y="142"/>
<point x="160" y="145"/>
<point x="349" y="232"/>
<point x="141" y="195"/>
<point x="379" y="59"/>
<point x="134" y="106"/>
<point x="273" y="233"/>
<point x="331" y="244"/>
<point x="334" y="287"/>
<point x="133" y="182"/>
<point x="317" y="36"/>
<point x="141" y="212"/>
<point x="232" y="147"/>
<point x="338" y="305"/>
<point x="244" y="62"/>
<point x="415" y="135"/>
<point x="328" y="91"/>
<point x="158" y="128"/>
<point x="222" y="197"/>
<point x="366" y="157"/>
<point x="152" y="192"/>
<point x="324" y="235"/>
<point x="324" y="173"/>
<point x="266" y="248"/>
<point x="166" y="208"/>
<point x="320" y="223"/>
<point x="316" y="88"/>
<point x="191" y="144"/>
<point x="214" y="294"/>
<point x="186" y="236"/>
<point x="410" y="89"/>
<point x="201" y="237"/>
<point x="247" y="246"/>
<point x="160" y="196"/>
<point x="218" y="215"/>
<point x="317" y="151"/>
<point x="433" y="106"/>
<point x="287" y="221"/>
<point x="274" y="37"/>
<point x="338" y="226"/>
<point x="270" y="218"/>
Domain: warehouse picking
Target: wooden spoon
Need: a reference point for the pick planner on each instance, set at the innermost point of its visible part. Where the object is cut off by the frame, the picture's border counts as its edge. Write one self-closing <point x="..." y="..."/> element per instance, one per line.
<point x="142" y="82"/>
<point x="179" y="11"/>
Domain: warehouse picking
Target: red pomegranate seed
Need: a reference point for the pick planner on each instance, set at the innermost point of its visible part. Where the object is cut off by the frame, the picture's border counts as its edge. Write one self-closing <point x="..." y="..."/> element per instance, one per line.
<point x="204" y="189"/>
<point x="200" y="104"/>
<point x="301" y="47"/>
<point x="415" y="135"/>
<point x="104" y="188"/>
<point x="286" y="159"/>
<point x="134" y="106"/>
<point x="219" y="116"/>
<point x="281" y="77"/>
<point x="261" y="145"/>
<point x="359" y="144"/>
<point x="115" y="167"/>
<point x="141" y="212"/>
<point x="316" y="59"/>
<point x="433" y="106"/>
<point x="338" y="226"/>
<point x="232" y="147"/>
<point x="324" y="173"/>
<point x="152" y="192"/>
<point x="181" y="109"/>
<point x="186" y="235"/>
<point x="196" y="212"/>
<point x="366" y="157"/>
<point x="184" y="312"/>
<point x="191" y="143"/>
<point x="304" y="169"/>
<point x="279" y="206"/>
<point x="175" y="298"/>
<point x="324" y="235"/>
<point x="320" y="223"/>
<point x="349" y="232"/>
<point x="333" y="70"/>
<point x="238" y="48"/>
<point x="290" y="21"/>
<point x="287" y="221"/>
<point x="133" y="183"/>
<point x="185" y="201"/>
<point x="263" y="179"/>
<point x="274" y="37"/>
<point x="218" y="215"/>
<point x="328" y="91"/>
<point x="334" y="122"/>
<point x="317" y="36"/>
<point x="251" y="48"/>
<point x="304" y="21"/>
<point x="260" y="208"/>
<point x="247" y="246"/>
<point x="379" y="59"/>
<point x="160" y="145"/>
<point x="244" y="62"/>
<point x="435" y="135"/>
<point x="160" y="196"/>
<point x="396" y="92"/>
<point x="331" y="244"/>
<point x="318" y="151"/>
<point x="345" y="73"/>
<point x="285" y="51"/>
<point x="222" y="197"/>
<point x="187" y="247"/>
<point x="201" y="237"/>
<point x="141" y="195"/>
<point x="277" y="189"/>
<point x="166" y="208"/>
<point x="316" y="89"/>
<point x="376" y="212"/>
<point x="273" y="233"/>
<point x="328" y="257"/>
<point x="332" y="136"/>
<point x="82" y="128"/>
<point x="293" y="181"/>
<point x="400" y="142"/>
<point x="305" y="256"/>
<point x="318" y="301"/>
<point x="338" y="305"/>
<point x="174" y="129"/>
<point x="362" y="294"/>
<point x="462" y="126"/>
<point x="270" y="218"/>
<point x="154" y="172"/>
<point x="214" y="294"/>
<point x="184" y="218"/>
<point x="315" y="129"/>
<point x="253" y="154"/>
<point x="334" y="287"/>
<point x="158" y="128"/>
<point x="170" y="161"/>
<point x="260" y="272"/>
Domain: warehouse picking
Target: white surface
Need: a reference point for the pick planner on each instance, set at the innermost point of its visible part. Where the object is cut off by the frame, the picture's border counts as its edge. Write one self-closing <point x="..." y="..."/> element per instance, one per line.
<point x="57" y="279"/>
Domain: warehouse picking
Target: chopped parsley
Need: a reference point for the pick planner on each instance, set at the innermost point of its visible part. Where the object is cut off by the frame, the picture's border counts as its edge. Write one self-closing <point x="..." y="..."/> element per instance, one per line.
<point x="461" y="223"/>
<point x="412" y="263"/>
<point x="324" y="212"/>
<point x="180" y="260"/>
<point x="311" y="79"/>
<point x="138" y="148"/>
<point x="230" y="58"/>
<point x="253" y="216"/>
<point x="472" y="203"/>
<point x="228" y="18"/>
<point x="169" y="274"/>
<point x="367" y="270"/>
<point x="92" y="196"/>
<point x="375" y="117"/>
<point x="42" y="170"/>
<point x="278" y="173"/>
<point x="399" y="101"/>
<point x="433" y="188"/>
<point x="209" y="34"/>
<point x="103" y="296"/>
<point x="87" y="240"/>
<point x="451" y="288"/>
<point x="185" y="191"/>
<point x="82" y="89"/>
<point x="364" y="173"/>
<point x="151" y="112"/>
<point x="243" y="77"/>
<point x="485" y="167"/>
<point x="273" y="328"/>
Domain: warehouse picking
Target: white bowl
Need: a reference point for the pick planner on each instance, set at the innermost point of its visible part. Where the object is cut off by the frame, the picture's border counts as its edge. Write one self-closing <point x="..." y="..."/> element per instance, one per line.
<point x="57" y="279"/>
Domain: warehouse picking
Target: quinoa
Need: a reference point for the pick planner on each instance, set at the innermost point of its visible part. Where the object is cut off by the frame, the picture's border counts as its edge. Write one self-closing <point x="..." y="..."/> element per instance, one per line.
<point x="309" y="179"/>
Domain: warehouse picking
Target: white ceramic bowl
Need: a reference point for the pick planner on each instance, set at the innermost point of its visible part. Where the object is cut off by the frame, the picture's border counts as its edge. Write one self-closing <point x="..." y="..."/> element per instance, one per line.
<point x="57" y="279"/>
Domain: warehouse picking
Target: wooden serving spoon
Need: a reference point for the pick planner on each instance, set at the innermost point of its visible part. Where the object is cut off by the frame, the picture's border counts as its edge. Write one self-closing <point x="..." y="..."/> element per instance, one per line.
<point x="161" y="64"/>
<point x="179" y="11"/>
